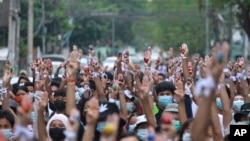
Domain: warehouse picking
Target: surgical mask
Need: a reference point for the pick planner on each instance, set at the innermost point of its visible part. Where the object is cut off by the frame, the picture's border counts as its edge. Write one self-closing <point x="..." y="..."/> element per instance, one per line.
<point x="129" y="106"/>
<point x="7" y="133"/>
<point x="118" y="104"/>
<point x="165" y="100"/>
<point x="59" y="105"/>
<point x="177" y="125"/>
<point x="131" y="128"/>
<point x="142" y="134"/>
<point x="237" y="104"/>
<point x="218" y="103"/>
<point x="33" y="116"/>
<point x="186" y="137"/>
<point x="57" y="134"/>
<point x="100" y="126"/>
<point x="80" y="91"/>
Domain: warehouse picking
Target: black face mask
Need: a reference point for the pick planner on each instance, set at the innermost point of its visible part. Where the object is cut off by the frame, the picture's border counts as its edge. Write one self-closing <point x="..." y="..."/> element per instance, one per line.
<point x="57" y="134"/>
<point x="59" y="105"/>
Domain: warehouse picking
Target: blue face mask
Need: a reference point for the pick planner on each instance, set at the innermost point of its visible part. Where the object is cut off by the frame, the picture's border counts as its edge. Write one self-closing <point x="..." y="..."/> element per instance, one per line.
<point x="186" y="137"/>
<point x="237" y="104"/>
<point x="100" y="126"/>
<point x="131" y="128"/>
<point x="129" y="106"/>
<point x="177" y="125"/>
<point x="218" y="103"/>
<point x="118" y="104"/>
<point x="165" y="100"/>
<point x="7" y="133"/>
<point x="142" y="134"/>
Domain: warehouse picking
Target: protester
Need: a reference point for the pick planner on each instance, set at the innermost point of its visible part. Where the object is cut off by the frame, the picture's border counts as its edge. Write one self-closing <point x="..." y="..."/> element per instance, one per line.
<point x="183" y="100"/>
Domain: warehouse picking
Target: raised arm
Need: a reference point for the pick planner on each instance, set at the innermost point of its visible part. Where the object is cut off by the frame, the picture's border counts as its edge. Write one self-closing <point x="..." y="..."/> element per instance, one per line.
<point x="42" y="134"/>
<point x="71" y="80"/>
<point x="144" y="97"/>
<point x="92" y="114"/>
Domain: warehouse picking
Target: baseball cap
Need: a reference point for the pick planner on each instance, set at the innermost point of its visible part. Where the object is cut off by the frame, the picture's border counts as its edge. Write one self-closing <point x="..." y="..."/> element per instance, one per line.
<point x="141" y="119"/>
<point x="129" y="95"/>
<point x="172" y="107"/>
<point x="106" y="109"/>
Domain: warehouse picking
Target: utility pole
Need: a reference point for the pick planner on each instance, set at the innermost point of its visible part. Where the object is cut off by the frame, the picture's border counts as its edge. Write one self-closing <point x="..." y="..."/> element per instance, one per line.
<point x="207" y="27"/>
<point x="11" y="30"/>
<point x="43" y="28"/>
<point x="113" y="33"/>
<point x="30" y="30"/>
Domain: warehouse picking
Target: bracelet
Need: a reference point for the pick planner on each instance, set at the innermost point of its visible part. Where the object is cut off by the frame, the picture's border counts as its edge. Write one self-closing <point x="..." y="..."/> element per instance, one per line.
<point x="205" y="86"/>
<point x="71" y="80"/>
<point x="69" y="135"/>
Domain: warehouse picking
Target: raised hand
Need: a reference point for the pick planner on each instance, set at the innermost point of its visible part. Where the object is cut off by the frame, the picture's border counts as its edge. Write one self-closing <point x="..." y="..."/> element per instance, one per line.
<point x="92" y="111"/>
<point x="179" y="92"/>
<point x="73" y="65"/>
<point x="8" y="73"/>
<point x="145" y="88"/>
<point x="184" y="50"/>
<point x="43" y="101"/>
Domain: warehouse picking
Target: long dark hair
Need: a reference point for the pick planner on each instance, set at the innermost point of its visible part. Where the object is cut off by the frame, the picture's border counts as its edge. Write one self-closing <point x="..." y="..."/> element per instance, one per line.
<point x="184" y="127"/>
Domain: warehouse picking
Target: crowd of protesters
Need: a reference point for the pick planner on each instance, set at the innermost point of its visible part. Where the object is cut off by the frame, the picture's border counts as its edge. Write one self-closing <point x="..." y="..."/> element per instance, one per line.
<point x="185" y="99"/>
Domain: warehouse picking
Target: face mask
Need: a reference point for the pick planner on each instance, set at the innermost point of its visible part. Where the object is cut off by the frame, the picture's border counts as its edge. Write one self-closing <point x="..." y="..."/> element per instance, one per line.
<point x="129" y="106"/>
<point x="100" y="126"/>
<point x="165" y="100"/>
<point x="18" y="99"/>
<point x="186" y="137"/>
<point x="246" y="122"/>
<point x="237" y="104"/>
<point x="57" y="134"/>
<point x="142" y="134"/>
<point x="80" y="91"/>
<point x="118" y="104"/>
<point x="218" y="103"/>
<point x="177" y="125"/>
<point x="7" y="133"/>
<point x="33" y="116"/>
<point x="59" y="105"/>
<point x="131" y="128"/>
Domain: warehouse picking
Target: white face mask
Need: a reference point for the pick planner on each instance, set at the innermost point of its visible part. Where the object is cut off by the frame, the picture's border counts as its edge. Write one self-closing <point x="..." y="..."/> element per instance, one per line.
<point x="186" y="137"/>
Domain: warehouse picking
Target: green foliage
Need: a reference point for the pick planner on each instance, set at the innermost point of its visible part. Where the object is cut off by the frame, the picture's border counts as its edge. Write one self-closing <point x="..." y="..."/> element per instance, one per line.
<point x="166" y="23"/>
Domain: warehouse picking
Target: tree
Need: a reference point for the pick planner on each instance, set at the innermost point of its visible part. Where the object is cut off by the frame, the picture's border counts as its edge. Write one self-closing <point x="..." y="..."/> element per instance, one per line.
<point x="240" y="10"/>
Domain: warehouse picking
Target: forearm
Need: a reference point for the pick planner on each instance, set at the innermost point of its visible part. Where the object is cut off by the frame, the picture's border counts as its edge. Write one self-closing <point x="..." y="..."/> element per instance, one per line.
<point x="201" y="121"/>
<point x="123" y="111"/>
<point x="147" y="108"/>
<point x="99" y="88"/>
<point x="182" y="111"/>
<point x="216" y="123"/>
<point x="42" y="134"/>
<point x="70" y="97"/>
<point x="89" y="133"/>
<point x="227" y="115"/>
<point x="185" y="68"/>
